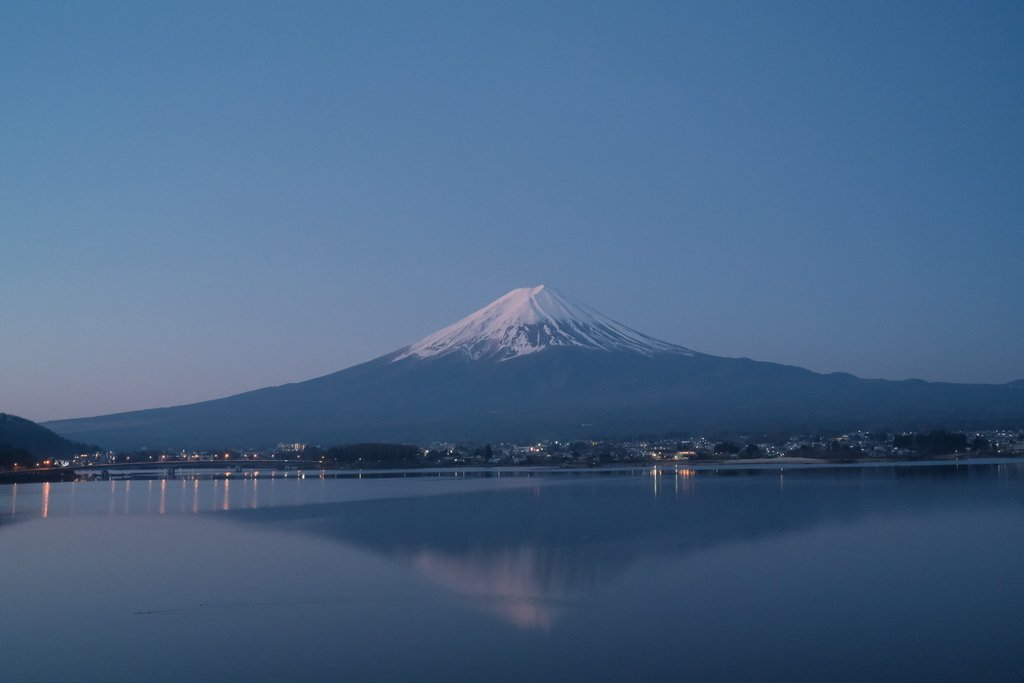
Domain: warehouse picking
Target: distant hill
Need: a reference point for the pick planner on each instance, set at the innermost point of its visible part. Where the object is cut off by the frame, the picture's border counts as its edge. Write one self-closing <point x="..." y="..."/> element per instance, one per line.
<point x="535" y="364"/>
<point x="25" y="442"/>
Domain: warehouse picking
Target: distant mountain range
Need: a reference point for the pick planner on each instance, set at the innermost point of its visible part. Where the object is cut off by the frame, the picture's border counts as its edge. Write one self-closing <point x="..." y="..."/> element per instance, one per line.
<point x="24" y="442"/>
<point x="535" y="364"/>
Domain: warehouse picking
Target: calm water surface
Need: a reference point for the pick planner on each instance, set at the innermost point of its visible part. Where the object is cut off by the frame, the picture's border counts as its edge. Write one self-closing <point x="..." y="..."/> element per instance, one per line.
<point x="893" y="573"/>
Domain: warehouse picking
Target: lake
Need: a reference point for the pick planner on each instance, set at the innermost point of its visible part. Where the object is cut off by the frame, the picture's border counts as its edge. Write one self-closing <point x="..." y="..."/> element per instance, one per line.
<point x="909" y="573"/>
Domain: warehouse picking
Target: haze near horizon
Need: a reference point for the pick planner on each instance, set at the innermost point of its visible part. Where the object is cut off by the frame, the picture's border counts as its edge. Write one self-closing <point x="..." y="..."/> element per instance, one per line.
<point x="203" y="199"/>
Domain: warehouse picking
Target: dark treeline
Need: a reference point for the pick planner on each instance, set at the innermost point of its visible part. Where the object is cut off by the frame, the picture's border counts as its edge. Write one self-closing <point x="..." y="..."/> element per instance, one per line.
<point x="933" y="443"/>
<point x="366" y="454"/>
<point x="833" y="450"/>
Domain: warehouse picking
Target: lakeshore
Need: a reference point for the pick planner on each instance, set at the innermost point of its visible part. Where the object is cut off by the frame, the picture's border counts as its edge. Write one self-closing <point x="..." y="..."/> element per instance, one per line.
<point x="285" y="469"/>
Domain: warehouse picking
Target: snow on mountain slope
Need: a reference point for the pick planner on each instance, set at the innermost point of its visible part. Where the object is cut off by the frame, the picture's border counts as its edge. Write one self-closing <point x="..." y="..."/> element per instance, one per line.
<point x="532" y="319"/>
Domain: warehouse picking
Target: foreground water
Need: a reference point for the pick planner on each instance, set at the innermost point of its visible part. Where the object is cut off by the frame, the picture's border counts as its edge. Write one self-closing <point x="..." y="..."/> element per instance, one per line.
<point x="895" y="573"/>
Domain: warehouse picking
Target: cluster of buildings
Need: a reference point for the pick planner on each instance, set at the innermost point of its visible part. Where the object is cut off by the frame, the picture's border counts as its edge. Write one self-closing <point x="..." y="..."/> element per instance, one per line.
<point x="851" y="445"/>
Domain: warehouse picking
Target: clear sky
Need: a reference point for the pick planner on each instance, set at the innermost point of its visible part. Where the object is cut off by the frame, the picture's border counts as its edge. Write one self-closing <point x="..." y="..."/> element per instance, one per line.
<point x="199" y="198"/>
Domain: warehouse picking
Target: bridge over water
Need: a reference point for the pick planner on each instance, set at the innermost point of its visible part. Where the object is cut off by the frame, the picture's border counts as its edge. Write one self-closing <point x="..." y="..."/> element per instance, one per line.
<point x="172" y="469"/>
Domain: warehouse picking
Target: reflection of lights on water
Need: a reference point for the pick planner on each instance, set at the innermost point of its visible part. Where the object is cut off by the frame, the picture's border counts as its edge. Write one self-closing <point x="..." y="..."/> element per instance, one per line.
<point x="688" y="479"/>
<point x="226" y="505"/>
<point x="46" y="500"/>
<point x="195" y="496"/>
<point x="127" y="495"/>
<point x="14" y="500"/>
<point x="163" y="496"/>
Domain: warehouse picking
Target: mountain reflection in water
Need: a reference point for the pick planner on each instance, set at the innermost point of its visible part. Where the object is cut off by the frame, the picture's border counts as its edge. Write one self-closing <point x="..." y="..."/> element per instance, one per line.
<point x="528" y="555"/>
<point x="524" y="586"/>
<point x="889" y="573"/>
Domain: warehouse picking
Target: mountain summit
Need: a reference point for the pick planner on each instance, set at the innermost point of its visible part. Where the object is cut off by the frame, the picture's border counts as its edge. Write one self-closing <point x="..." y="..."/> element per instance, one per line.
<point x="534" y="365"/>
<point x="531" y="319"/>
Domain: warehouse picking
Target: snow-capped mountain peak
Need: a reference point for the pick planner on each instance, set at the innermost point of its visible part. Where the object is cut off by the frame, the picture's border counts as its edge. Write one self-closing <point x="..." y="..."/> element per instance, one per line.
<point x="532" y="319"/>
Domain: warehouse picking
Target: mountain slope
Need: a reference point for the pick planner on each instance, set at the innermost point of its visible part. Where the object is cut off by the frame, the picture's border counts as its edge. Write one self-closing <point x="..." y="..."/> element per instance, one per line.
<point x="23" y="441"/>
<point x="533" y="364"/>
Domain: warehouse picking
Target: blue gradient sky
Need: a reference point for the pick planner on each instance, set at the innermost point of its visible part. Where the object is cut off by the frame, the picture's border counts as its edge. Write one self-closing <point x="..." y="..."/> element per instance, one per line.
<point x="202" y="198"/>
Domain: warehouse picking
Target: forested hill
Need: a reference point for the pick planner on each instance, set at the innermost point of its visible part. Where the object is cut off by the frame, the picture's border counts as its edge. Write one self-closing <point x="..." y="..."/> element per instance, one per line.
<point x="23" y="441"/>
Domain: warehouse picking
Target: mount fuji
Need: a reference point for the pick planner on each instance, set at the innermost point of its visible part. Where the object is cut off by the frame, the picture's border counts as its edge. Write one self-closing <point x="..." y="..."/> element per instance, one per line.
<point x="535" y="364"/>
<point x="533" y="319"/>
